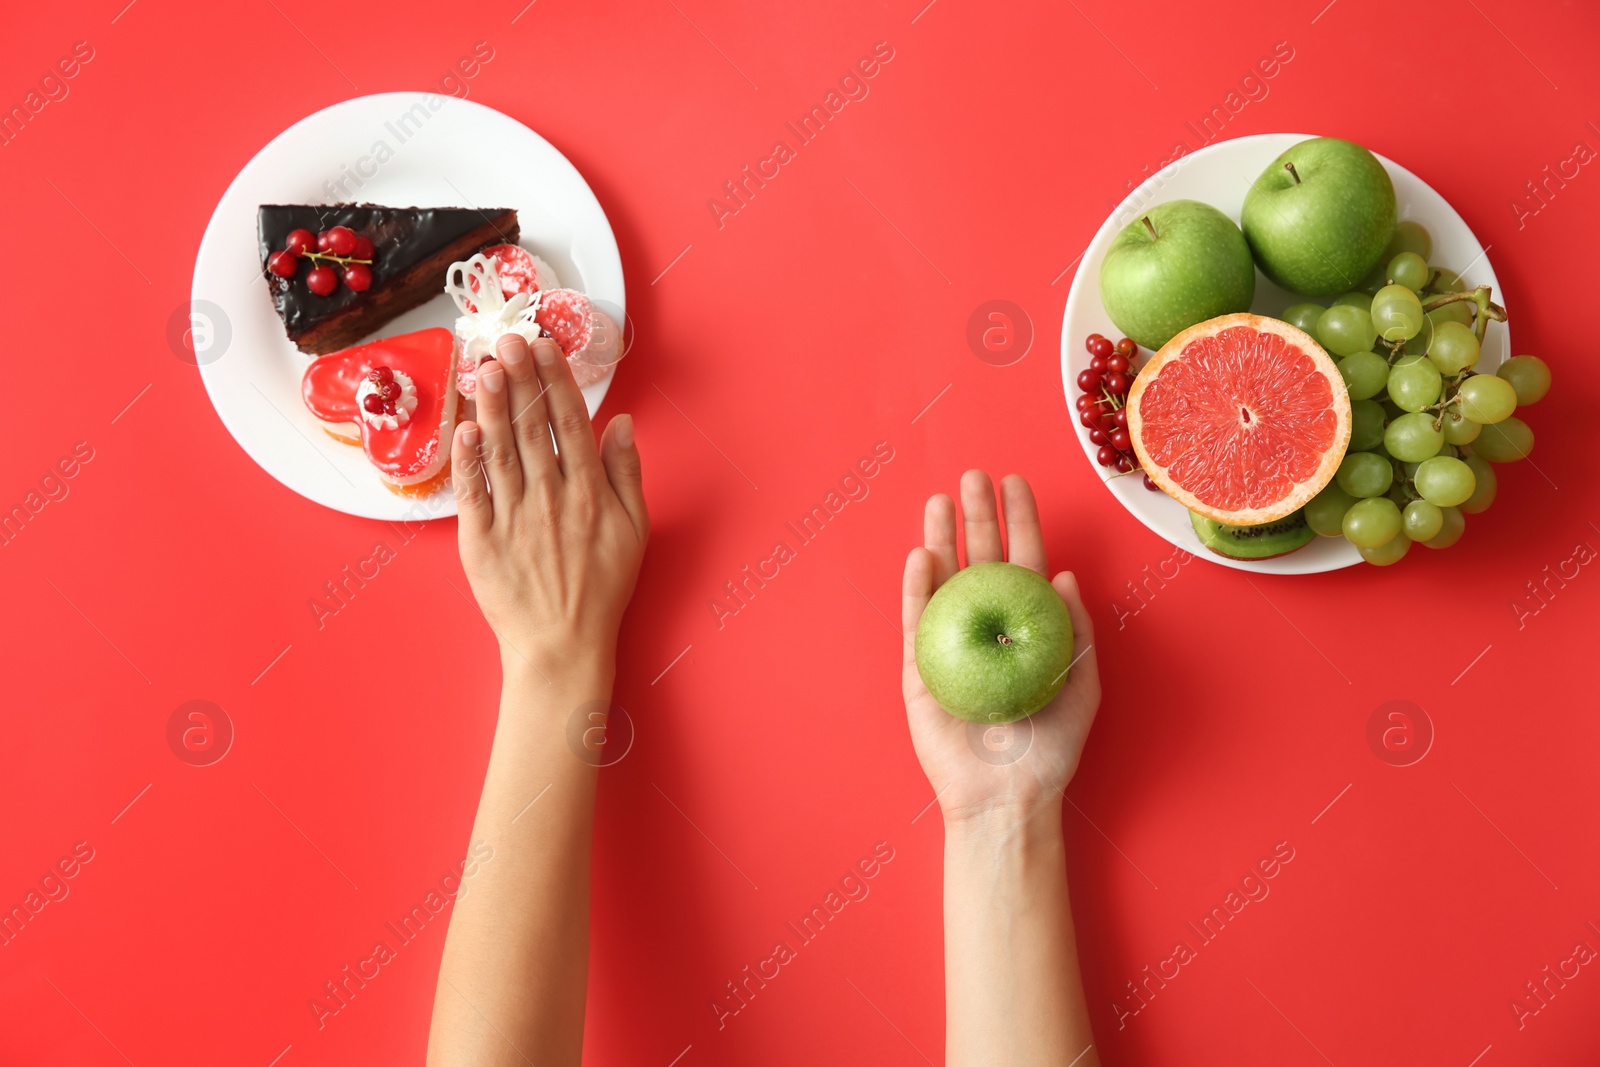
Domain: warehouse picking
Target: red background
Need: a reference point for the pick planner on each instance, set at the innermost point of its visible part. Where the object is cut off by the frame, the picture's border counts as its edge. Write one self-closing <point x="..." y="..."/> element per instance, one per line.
<point x="819" y="320"/>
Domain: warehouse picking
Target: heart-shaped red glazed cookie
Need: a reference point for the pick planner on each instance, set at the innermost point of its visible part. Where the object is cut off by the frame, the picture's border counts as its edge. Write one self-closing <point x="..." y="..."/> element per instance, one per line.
<point x="399" y="394"/>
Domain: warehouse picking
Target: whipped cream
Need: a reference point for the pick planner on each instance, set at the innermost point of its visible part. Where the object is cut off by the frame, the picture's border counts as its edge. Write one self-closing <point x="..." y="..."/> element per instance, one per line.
<point x="404" y="405"/>
<point x="486" y="313"/>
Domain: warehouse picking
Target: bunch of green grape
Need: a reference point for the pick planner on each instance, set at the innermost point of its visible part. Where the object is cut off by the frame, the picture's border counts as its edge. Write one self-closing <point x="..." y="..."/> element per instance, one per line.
<point x="1425" y="427"/>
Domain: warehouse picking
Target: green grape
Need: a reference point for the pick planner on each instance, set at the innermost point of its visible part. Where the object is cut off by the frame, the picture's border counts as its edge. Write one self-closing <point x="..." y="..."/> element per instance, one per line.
<point x="1445" y="481"/>
<point x="1446" y="280"/>
<point x="1422" y="520"/>
<point x="1505" y="442"/>
<point x="1412" y="237"/>
<point x="1365" y="374"/>
<point x="1414" y="383"/>
<point x="1365" y="474"/>
<point x="1372" y="523"/>
<point x="1487" y="398"/>
<point x="1345" y="330"/>
<point x="1418" y="345"/>
<point x="1460" y="311"/>
<point x="1483" y="493"/>
<point x="1366" y="425"/>
<point x="1375" y="279"/>
<point x="1454" y="349"/>
<point x="1460" y="430"/>
<point x="1392" y="551"/>
<point x="1529" y="376"/>
<point x="1410" y="270"/>
<point x="1303" y="316"/>
<point x="1355" y="299"/>
<point x="1396" y="313"/>
<point x="1455" y="524"/>
<point x="1325" y="511"/>
<point x="1412" y="438"/>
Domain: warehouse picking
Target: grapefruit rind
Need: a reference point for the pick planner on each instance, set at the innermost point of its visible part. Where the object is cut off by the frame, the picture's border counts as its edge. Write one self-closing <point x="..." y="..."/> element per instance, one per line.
<point x="1298" y="492"/>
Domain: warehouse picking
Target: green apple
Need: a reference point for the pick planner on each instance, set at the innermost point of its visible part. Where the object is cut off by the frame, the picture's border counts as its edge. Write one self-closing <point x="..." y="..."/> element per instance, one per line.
<point x="1177" y="264"/>
<point x="1320" y="216"/>
<point x="994" y="643"/>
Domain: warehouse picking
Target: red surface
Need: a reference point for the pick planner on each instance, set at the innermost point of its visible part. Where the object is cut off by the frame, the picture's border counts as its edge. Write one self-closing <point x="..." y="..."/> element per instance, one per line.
<point x="821" y="318"/>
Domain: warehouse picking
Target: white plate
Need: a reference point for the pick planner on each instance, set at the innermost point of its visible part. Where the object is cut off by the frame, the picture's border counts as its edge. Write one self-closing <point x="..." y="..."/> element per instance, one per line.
<point x="450" y="153"/>
<point x="1220" y="174"/>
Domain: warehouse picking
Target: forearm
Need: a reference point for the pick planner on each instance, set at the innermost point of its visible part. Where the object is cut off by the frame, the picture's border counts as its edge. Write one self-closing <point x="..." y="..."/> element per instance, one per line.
<point x="1012" y="988"/>
<point x="512" y="982"/>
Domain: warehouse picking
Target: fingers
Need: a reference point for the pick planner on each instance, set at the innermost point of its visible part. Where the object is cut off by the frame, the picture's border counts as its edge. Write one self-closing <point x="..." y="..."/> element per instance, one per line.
<point x="915" y="591"/>
<point x="1085" y="669"/>
<point x="499" y="448"/>
<point x="982" y="521"/>
<point x="620" y="456"/>
<point x="1024" y="539"/>
<point x="530" y="426"/>
<point x="939" y="536"/>
<point x="475" y="511"/>
<point x="568" y="414"/>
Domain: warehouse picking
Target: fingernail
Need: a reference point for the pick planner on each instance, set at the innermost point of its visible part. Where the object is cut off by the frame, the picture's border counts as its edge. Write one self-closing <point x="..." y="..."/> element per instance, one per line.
<point x="511" y="349"/>
<point x="625" y="431"/>
<point x="546" y="351"/>
<point x="469" y="436"/>
<point x="492" y="377"/>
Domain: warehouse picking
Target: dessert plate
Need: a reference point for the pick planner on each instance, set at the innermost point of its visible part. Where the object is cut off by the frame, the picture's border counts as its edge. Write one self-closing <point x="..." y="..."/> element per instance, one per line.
<point x="398" y="149"/>
<point x="1220" y="174"/>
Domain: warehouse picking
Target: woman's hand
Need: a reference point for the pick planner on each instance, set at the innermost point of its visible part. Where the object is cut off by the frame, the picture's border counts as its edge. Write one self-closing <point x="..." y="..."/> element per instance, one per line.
<point x="1025" y="766"/>
<point x="551" y="543"/>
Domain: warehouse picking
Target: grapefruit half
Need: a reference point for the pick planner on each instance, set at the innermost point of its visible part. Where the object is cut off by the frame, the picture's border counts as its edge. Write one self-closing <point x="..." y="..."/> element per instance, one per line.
<point x="1240" y="418"/>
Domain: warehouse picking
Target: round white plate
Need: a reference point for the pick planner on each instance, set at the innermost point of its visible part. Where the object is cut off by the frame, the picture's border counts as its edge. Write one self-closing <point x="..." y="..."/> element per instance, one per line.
<point x="437" y="151"/>
<point x="1220" y="174"/>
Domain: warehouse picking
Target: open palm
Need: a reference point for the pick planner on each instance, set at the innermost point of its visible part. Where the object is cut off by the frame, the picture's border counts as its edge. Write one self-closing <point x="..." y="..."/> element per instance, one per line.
<point x="975" y="768"/>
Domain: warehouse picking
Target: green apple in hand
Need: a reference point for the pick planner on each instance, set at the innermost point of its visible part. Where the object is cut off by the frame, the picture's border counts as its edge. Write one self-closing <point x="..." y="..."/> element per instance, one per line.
<point x="1177" y="264"/>
<point x="994" y="643"/>
<point x="1320" y="216"/>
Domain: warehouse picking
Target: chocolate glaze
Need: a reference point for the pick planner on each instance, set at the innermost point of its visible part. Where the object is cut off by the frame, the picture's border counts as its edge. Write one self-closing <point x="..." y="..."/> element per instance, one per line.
<point x="405" y="241"/>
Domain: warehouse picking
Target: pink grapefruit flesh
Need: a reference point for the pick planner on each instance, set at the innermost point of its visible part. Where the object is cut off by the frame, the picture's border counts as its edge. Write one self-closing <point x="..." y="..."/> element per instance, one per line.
<point x="1240" y="418"/>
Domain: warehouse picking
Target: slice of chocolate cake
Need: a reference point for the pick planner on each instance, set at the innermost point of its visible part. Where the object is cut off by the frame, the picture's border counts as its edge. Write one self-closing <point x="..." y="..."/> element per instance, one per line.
<point x="391" y="260"/>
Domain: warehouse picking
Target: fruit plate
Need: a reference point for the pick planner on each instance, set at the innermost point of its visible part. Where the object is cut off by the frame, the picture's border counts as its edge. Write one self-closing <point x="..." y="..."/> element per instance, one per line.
<point x="1220" y="174"/>
<point x="398" y="149"/>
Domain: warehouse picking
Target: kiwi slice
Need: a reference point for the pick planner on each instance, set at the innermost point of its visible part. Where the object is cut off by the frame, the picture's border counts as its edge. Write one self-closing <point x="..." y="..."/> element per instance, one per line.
<point x="1254" y="542"/>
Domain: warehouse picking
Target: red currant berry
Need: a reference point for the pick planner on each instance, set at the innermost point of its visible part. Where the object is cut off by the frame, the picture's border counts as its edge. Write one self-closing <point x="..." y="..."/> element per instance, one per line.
<point x="373" y="403"/>
<point x="363" y="249"/>
<point x="1085" y="402"/>
<point x="282" y="264"/>
<point x="1097" y="365"/>
<point x="1106" y="456"/>
<point x="1121" y="441"/>
<point x="341" y="240"/>
<point x="322" y="241"/>
<point x="1150" y="484"/>
<point x="375" y="375"/>
<point x="1092" y="343"/>
<point x="1090" y="418"/>
<point x="1117" y="384"/>
<point x="1123" y="464"/>
<point x="390" y="390"/>
<point x="1098" y="436"/>
<point x="1119" y="417"/>
<point x="358" y="276"/>
<point x="300" y="241"/>
<point x="1126" y="348"/>
<point x="1089" y="381"/>
<point x="389" y="407"/>
<point x="385" y="374"/>
<point x="1117" y="364"/>
<point x="321" y="280"/>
